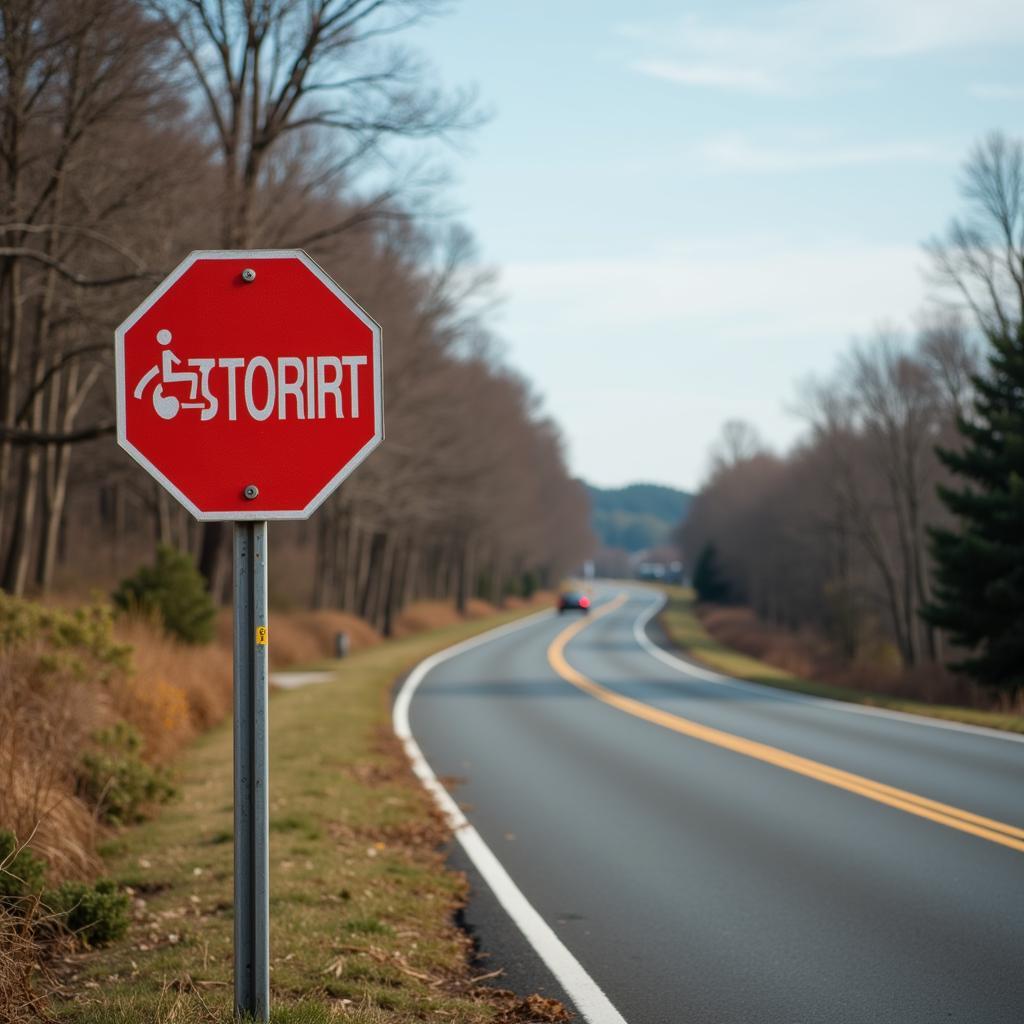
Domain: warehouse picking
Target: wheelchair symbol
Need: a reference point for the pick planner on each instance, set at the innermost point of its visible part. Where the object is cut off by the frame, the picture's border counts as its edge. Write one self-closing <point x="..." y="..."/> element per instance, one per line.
<point x="168" y="406"/>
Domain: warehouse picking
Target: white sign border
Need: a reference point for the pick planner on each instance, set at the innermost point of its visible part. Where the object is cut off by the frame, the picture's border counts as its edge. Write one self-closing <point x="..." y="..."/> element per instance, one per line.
<point x="339" y="293"/>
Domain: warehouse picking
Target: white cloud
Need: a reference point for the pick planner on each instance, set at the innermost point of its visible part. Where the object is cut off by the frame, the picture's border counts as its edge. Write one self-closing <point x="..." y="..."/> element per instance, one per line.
<point x="736" y="153"/>
<point x="643" y="358"/>
<point x="794" y="44"/>
<point x="739" y="79"/>
<point x="994" y="91"/>
<point x="747" y="287"/>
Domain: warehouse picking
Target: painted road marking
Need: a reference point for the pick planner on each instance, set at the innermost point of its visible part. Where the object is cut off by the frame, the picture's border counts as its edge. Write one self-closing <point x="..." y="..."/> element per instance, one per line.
<point x="588" y="996"/>
<point x="903" y="800"/>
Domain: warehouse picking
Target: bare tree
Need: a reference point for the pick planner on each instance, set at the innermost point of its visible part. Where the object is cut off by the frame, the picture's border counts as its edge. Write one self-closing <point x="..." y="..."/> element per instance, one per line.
<point x="898" y="408"/>
<point x="951" y="357"/>
<point x="271" y="70"/>
<point x="738" y="442"/>
<point x="982" y="256"/>
<point x="833" y="534"/>
<point x="268" y="69"/>
<point x="72" y="76"/>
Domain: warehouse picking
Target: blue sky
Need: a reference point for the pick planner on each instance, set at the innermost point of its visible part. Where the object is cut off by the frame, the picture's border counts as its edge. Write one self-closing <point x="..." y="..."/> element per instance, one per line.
<point x="693" y="206"/>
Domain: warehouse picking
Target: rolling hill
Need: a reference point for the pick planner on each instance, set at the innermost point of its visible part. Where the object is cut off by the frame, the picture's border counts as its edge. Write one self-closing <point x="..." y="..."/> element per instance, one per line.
<point x="636" y="517"/>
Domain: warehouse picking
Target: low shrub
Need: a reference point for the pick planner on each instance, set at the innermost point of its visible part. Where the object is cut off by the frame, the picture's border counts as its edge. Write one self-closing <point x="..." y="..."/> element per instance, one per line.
<point x="174" y="590"/>
<point x="22" y="873"/>
<point x="95" y="914"/>
<point x="116" y="781"/>
<point x="80" y="642"/>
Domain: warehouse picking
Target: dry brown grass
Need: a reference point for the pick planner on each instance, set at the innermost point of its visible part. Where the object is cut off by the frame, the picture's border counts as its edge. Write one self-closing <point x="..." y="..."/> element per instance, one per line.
<point x="26" y="949"/>
<point x="477" y="609"/>
<point x="305" y="637"/>
<point x="173" y="690"/>
<point x="176" y="691"/>
<point x="807" y="655"/>
<point x="423" y="615"/>
<point x="739" y="628"/>
<point x="541" y="599"/>
<point x="43" y="725"/>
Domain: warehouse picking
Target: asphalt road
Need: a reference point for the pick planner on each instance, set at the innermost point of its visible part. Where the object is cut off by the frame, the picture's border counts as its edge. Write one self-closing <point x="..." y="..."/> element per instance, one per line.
<point x="697" y="883"/>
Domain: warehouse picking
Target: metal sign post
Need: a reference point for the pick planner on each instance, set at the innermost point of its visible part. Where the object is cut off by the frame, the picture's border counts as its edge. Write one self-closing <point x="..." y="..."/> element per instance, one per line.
<point x="249" y="358"/>
<point x="252" y="860"/>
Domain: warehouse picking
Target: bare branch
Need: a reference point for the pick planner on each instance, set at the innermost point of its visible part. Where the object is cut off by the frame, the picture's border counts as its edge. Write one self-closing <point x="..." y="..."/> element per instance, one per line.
<point x="28" y="437"/>
<point x="68" y="274"/>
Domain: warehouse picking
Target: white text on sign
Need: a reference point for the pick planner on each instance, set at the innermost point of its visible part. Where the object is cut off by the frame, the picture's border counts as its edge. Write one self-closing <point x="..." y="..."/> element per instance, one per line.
<point x="290" y="387"/>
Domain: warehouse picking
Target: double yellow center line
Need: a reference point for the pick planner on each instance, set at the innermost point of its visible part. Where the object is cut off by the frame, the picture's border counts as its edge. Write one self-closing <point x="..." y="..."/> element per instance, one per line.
<point x="943" y="814"/>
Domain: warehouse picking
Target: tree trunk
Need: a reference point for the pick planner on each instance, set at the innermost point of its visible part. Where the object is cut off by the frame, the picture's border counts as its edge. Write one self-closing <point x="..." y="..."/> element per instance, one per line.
<point x="18" y="551"/>
<point x="57" y="464"/>
<point x="367" y="540"/>
<point x="384" y="583"/>
<point x="412" y="569"/>
<point x="326" y="557"/>
<point x="162" y="516"/>
<point x="10" y="343"/>
<point x="369" y="581"/>
<point x="398" y="585"/>
<point x="353" y="563"/>
<point x="53" y="518"/>
<point x="211" y="546"/>
<point x="464" y="586"/>
<point x="117" y="524"/>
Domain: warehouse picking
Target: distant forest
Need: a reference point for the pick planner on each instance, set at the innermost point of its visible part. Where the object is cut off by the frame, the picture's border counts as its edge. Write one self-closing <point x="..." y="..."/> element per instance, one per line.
<point x="636" y="517"/>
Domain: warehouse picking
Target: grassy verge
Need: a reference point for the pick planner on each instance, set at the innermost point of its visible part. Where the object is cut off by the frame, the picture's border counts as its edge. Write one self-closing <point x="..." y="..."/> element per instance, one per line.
<point x="362" y="905"/>
<point x="685" y="631"/>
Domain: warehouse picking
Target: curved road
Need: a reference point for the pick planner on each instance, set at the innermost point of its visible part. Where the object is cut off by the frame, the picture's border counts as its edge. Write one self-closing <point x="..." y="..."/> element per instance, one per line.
<point x="716" y="853"/>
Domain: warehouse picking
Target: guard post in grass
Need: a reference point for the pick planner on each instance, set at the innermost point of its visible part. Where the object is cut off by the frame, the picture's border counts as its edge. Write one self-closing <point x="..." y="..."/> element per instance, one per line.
<point x="249" y="386"/>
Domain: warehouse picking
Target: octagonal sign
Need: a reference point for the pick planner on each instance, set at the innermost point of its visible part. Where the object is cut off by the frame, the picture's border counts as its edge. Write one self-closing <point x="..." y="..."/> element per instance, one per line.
<point x="249" y="384"/>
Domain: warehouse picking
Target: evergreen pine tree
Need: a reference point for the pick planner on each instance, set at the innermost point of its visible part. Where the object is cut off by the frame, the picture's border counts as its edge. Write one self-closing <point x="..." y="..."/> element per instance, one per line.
<point x="708" y="580"/>
<point x="174" y="590"/>
<point x="979" y="562"/>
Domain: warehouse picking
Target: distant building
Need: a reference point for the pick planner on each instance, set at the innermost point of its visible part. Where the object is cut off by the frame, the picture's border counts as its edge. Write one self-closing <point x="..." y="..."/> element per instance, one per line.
<point x="662" y="564"/>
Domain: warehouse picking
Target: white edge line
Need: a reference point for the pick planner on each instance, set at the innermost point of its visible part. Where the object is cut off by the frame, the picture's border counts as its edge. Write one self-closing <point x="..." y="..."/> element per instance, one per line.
<point x="641" y="637"/>
<point x="581" y="988"/>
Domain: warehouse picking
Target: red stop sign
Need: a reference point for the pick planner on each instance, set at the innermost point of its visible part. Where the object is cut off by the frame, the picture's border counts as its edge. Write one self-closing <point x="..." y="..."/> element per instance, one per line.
<point x="249" y="385"/>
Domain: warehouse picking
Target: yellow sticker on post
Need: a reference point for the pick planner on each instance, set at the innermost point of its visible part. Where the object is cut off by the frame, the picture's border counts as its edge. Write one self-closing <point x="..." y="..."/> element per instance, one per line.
<point x="261" y="636"/>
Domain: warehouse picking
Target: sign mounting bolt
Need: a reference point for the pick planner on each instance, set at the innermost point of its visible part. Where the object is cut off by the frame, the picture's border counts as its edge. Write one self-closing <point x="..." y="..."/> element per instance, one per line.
<point x="248" y="275"/>
<point x="251" y="491"/>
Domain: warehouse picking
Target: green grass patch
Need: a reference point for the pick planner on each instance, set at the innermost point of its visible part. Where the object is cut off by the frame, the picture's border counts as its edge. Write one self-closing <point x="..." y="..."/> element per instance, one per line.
<point x="362" y="904"/>
<point x="684" y="629"/>
<point x="301" y="824"/>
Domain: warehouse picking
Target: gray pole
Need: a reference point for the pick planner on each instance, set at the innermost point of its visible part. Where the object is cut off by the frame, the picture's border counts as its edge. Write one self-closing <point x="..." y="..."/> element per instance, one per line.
<point x="252" y="904"/>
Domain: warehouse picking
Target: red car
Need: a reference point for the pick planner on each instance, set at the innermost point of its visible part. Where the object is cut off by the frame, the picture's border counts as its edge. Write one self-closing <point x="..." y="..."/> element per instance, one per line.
<point x="573" y="600"/>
